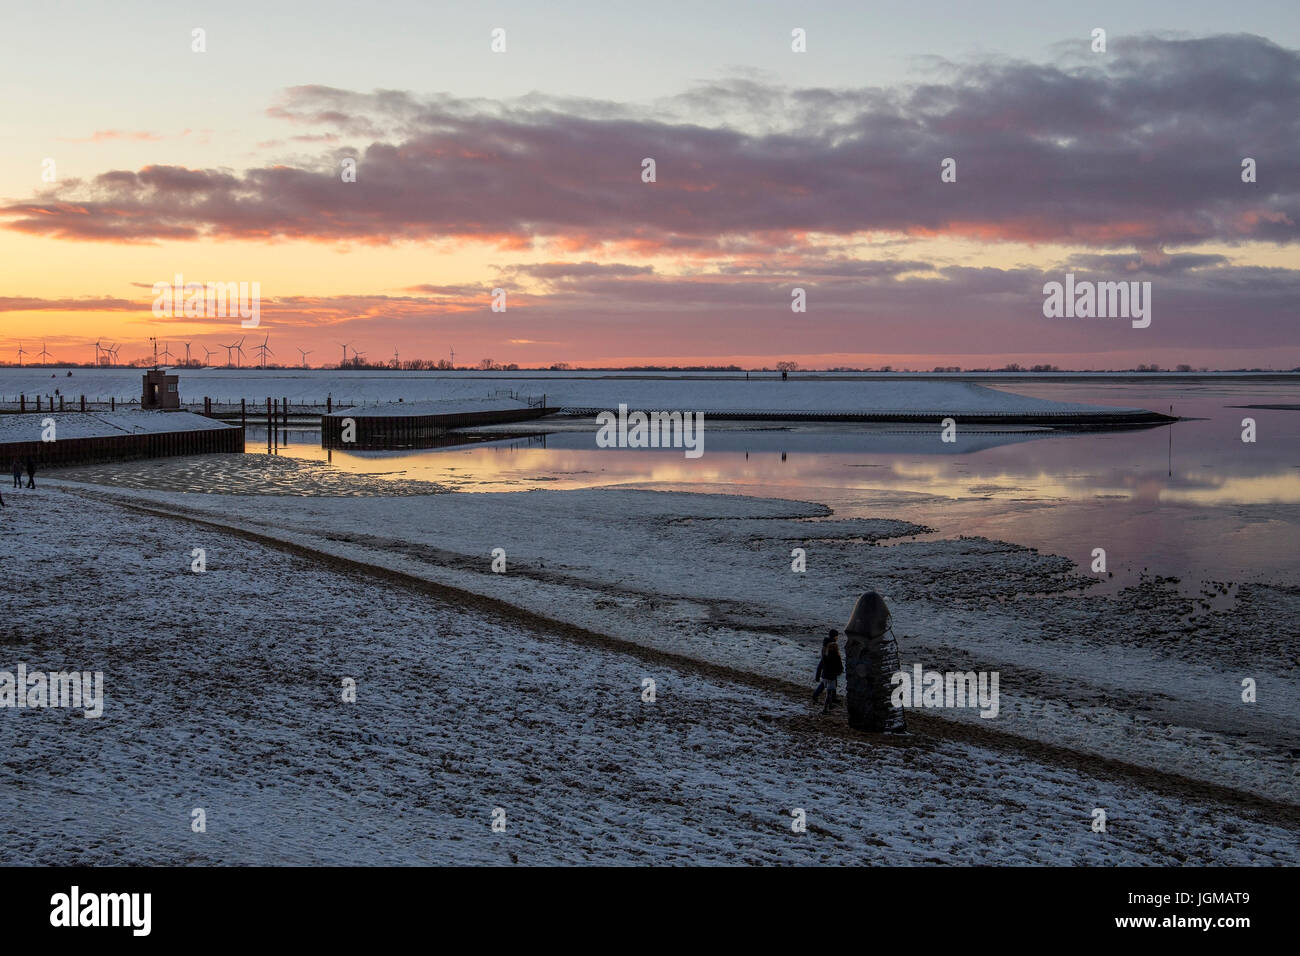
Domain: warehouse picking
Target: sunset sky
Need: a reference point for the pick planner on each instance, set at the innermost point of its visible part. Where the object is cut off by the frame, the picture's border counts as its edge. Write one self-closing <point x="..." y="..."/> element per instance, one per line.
<point x="775" y="169"/>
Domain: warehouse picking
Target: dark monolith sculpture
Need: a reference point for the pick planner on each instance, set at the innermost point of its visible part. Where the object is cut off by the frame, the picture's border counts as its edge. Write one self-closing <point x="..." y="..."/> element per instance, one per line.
<point x="871" y="659"/>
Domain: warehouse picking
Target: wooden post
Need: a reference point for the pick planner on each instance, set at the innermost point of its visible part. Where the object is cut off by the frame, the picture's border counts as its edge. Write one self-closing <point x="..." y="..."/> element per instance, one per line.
<point x="112" y="403"/>
<point x="22" y="403"/>
<point x="60" y="403"/>
<point x="83" y="403"/>
<point x="243" y="414"/>
<point x="270" y="426"/>
<point x="329" y="404"/>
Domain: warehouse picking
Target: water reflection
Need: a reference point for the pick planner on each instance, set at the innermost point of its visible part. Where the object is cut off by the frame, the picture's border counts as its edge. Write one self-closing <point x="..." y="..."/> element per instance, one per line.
<point x="1030" y="464"/>
<point x="1190" y="498"/>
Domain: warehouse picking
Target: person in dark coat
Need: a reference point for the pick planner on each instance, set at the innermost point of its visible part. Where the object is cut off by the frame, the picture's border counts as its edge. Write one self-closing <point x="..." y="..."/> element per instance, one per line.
<point x="821" y="662"/>
<point x="31" y="473"/>
<point x="18" y="473"/>
<point x="829" y="669"/>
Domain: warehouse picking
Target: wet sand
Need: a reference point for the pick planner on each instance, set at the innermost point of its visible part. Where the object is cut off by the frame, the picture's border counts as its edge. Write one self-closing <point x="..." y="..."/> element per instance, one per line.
<point x="248" y="475"/>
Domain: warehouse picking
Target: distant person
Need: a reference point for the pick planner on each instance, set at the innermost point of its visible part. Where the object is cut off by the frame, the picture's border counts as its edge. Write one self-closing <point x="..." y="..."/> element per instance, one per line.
<point x="18" y="473"/>
<point x="31" y="473"/>
<point x="829" y="669"/>
<point x="819" y="685"/>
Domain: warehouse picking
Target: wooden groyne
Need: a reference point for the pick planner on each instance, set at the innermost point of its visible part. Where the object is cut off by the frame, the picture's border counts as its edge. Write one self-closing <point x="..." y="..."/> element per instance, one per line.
<point x="1063" y="420"/>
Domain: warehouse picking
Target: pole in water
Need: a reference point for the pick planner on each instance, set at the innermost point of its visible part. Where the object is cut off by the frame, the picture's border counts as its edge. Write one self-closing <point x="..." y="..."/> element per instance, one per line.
<point x="1171" y="442"/>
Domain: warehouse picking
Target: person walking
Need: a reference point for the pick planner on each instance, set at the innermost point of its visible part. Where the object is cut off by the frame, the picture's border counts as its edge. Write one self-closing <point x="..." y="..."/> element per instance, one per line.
<point x="832" y="668"/>
<point x="31" y="473"/>
<point x="829" y="668"/>
<point x="18" y="473"/>
<point x="820" y="684"/>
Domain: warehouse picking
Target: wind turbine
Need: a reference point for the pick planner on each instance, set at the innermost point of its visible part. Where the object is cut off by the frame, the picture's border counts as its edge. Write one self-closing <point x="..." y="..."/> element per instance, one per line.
<point x="231" y="349"/>
<point x="113" y="351"/>
<point x="396" y="361"/>
<point x="453" y="357"/>
<point x="21" y="353"/>
<point x="345" y="353"/>
<point x="43" y="353"/>
<point x="239" y="350"/>
<point x="187" y="353"/>
<point x="207" y="352"/>
<point x="265" y="349"/>
<point x="167" y="352"/>
<point x="304" y="356"/>
<point x="97" y="353"/>
<point x="107" y="356"/>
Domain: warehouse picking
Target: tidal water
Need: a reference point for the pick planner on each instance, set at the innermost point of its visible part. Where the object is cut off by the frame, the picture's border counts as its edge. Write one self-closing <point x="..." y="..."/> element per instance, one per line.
<point x="1191" y="500"/>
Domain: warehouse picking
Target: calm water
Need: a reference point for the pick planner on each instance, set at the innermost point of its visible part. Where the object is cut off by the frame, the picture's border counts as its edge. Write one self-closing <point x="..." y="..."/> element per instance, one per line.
<point x="1190" y="500"/>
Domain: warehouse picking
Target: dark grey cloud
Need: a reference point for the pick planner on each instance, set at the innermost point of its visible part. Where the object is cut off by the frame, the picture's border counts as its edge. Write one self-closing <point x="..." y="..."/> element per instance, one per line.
<point x="104" y="303"/>
<point x="579" y="270"/>
<point x="1140" y="147"/>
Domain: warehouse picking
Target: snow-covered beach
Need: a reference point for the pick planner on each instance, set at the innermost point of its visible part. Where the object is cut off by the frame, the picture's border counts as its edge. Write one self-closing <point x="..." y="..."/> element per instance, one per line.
<point x="523" y="690"/>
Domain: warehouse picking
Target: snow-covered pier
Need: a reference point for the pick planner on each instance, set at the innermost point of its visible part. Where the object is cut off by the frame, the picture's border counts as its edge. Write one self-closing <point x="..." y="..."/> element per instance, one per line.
<point x="51" y="439"/>
<point x="894" y="402"/>
<point x="413" y="424"/>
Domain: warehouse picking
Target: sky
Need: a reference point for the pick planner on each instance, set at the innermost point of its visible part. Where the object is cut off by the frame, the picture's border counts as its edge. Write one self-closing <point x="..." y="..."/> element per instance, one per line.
<point x="129" y="157"/>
